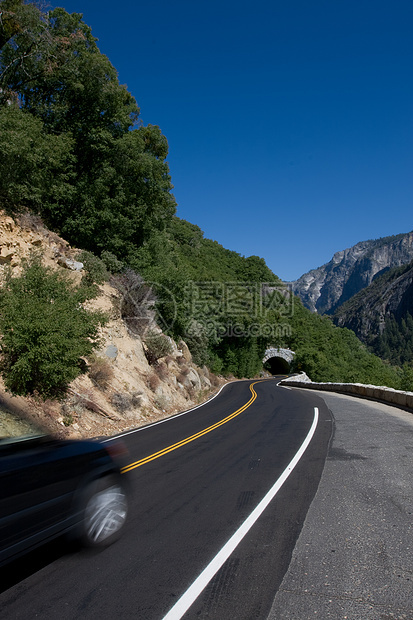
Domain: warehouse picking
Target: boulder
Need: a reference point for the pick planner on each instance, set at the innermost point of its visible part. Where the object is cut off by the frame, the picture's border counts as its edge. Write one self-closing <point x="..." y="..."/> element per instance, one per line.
<point x="185" y="351"/>
<point x="69" y="263"/>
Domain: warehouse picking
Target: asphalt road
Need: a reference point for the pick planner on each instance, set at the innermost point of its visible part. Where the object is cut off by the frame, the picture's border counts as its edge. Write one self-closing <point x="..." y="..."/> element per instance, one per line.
<point x="196" y="480"/>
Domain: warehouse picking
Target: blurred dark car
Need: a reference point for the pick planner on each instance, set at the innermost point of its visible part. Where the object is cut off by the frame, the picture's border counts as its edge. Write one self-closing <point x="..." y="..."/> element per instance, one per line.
<point x="50" y="487"/>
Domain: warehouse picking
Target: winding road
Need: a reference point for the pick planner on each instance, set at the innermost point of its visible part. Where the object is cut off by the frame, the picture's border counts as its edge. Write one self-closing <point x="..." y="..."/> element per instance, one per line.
<point x="265" y="503"/>
<point x="219" y="495"/>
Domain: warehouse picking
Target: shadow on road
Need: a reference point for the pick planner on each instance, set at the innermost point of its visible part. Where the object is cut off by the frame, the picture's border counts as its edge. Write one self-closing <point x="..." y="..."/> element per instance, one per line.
<point x="18" y="570"/>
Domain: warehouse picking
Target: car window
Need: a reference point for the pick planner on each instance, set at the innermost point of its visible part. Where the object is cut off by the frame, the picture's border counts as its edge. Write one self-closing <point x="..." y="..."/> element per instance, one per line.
<point x="14" y="428"/>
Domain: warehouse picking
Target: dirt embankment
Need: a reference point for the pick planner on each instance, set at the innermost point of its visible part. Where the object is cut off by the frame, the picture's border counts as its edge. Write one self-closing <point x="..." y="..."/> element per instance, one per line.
<point x="121" y="389"/>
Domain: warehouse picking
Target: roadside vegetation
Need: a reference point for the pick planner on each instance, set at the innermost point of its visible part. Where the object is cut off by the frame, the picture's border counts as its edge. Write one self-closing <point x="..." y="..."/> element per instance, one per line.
<point x="74" y="152"/>
<point x="329" y="353"/>
<point x="45" y="330"/>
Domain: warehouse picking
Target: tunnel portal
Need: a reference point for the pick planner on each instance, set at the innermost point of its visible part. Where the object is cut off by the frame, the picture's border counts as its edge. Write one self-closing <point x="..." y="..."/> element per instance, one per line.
<point x="278" y="361"/>
<point x="277" y="366"/>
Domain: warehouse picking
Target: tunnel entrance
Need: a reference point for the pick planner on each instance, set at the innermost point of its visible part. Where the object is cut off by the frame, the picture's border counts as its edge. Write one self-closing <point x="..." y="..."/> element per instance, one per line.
<point x="277" y="366"/>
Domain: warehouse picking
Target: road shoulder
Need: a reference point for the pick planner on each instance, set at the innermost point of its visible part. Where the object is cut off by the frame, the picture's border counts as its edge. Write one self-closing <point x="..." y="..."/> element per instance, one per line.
<point x="353" y="558"/>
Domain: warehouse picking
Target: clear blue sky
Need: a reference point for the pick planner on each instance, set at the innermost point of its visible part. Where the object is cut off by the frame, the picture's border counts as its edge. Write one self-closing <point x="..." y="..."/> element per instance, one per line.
<point x="290" y="123"/>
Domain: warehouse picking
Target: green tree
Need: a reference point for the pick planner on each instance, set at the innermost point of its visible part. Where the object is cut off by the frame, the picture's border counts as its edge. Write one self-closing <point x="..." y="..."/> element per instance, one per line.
<point x="406" y="378"/>
<point x="329" y="353"/>
<point x="45" y="331"/>
<point x="123" y="198"/>
<point x="54" y="65"/>
<point x="36" y="169"/>
<point x="120" y="184"/>
<point x="9" y="19"/>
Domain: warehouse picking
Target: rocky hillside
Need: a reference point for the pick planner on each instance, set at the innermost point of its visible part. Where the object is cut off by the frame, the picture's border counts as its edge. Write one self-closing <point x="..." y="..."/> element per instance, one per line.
<point x="324" y="289"/>
<point x="389" y="296"/>
<point x="121" y="389"/>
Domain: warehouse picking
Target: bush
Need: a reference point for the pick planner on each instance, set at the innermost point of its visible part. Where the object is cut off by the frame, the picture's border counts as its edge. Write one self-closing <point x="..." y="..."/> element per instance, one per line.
<point x="161" y="370"/>
<point x="100" y="372"/>
<point x="406" y="378"/>
<point x="138" y="300"/>
<point x="44" y="331"/>
<point x="182" y="378"/>
<point x="121" y="402"/>
<point x="111" y="262"/>
<point x="153" y="381"/>
<point x="96" y="272"/>
<point x="157" y="346"/>
<point x="198" y="343"/>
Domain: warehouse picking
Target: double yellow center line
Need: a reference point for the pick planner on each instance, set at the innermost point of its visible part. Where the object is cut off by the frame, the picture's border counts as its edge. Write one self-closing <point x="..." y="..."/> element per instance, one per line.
<point x="183" y="442"/>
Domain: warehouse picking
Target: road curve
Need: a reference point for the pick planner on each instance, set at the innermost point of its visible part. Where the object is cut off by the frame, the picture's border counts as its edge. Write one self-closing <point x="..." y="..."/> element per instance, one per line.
<point x="196" y="479"/>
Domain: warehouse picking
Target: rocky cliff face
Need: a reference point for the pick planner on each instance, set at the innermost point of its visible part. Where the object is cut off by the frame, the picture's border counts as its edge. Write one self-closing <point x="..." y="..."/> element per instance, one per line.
<point x="324" y="289"/>
<point x="390" y="295"/>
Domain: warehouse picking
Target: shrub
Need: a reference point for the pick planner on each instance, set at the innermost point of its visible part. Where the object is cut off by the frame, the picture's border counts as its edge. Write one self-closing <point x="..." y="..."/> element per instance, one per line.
<point x="161" y="370"/>
<point x="191" y="392"/>
<point x="161" y="402"/>
<point x="44" y="330"/>
<point x="198" y="343"/>
<point x="215" y="382"/>
<point x="157" y="346"/>
<point x="136" y="399"/>
<point x="95" y="269"/>
<point x="153" y="381"/>
<point x="68" y="419"/>
<point x="100" y="372"/>
<point x="121" y="402"/>
<point x="138" y="300"/>
<point x="406" y="377"/>
<point x="111" y="262"/>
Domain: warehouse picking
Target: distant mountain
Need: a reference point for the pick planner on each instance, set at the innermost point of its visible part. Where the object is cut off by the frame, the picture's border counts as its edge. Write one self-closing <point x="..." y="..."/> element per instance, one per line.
<point x="324" y="289"/>
<point x="381" y="315"/>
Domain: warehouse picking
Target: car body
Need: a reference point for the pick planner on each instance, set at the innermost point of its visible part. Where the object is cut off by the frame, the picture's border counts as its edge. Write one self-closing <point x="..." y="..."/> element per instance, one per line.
<point x="50" y="487"/>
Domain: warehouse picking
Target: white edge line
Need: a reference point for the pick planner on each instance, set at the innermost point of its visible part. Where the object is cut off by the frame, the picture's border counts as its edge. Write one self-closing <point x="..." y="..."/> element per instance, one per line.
<point x="188" y="598"/>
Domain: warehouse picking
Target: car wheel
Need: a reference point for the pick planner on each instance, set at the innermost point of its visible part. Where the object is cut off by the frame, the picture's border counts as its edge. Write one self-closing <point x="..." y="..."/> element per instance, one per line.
<point x="104" y="513"/>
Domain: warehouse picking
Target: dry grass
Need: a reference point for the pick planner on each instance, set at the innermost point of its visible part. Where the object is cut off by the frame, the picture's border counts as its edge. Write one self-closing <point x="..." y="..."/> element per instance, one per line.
<point x="123" y="401"/>
<point x="215" y="382"/>
<point x="100" y="372"/>
<point x="153" y="381"/>
<point x="191" y="392"/>
<point x="161" y="370"/>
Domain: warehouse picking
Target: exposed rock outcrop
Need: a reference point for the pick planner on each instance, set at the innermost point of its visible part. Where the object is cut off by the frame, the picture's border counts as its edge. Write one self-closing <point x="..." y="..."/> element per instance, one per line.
<point x="388" y="296"/>
<point x="324" y="289"/>
<point x="122" y="389"/>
